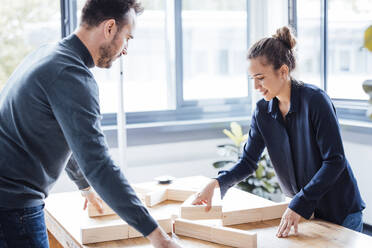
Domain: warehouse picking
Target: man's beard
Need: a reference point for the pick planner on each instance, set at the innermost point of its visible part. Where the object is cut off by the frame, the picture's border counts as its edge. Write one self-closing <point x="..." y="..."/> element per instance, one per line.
<point x="106" y="56"/>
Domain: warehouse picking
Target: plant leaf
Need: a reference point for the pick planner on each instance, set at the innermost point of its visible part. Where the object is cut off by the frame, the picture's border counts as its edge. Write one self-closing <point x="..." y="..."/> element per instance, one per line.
<point x="227" y="145"/>
<point x="236" y="130"/>
<point x="223" y="163"/>
<point x="260" y="171"/>
<point x="232" y="137"/>
<point x="368" y="38"/>
<point x="269" y="188"/>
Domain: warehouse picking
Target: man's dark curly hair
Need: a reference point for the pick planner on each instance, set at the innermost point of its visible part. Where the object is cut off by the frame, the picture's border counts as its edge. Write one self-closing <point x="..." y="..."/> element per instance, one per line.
<point x="96" y="11"/>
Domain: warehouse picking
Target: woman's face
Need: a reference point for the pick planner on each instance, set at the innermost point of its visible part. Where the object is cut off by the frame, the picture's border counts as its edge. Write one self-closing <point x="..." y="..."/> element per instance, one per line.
<point x="268" y="81"/>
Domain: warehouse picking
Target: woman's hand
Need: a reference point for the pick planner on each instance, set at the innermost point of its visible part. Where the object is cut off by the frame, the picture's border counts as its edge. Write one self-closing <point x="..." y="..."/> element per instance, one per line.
<point x="206" y="195"/>
<point x="290" y="218"/>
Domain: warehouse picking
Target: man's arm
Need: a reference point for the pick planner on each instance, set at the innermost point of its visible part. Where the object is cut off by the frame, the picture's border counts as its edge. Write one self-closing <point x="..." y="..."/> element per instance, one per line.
<point x="158" y="237"/>
<point x="74" y="100"/>
<point x="75" y="174"/>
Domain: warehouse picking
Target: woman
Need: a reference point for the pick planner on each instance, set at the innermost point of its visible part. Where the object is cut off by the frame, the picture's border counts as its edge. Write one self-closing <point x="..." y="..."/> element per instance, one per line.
<point x="297" y="123"/>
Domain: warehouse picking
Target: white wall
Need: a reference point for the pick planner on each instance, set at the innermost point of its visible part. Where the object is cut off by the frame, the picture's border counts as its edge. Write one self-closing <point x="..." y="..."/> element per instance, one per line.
<point x="358" y="149"/>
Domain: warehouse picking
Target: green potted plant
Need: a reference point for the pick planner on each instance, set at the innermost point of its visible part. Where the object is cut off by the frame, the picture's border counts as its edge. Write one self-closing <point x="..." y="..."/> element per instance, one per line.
<point x="263" y="182"/>
<point x="367" y="84"/>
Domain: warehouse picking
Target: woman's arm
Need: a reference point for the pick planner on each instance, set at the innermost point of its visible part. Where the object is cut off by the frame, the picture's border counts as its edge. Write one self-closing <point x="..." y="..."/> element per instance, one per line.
<point x="328" y="137"/>
<point x="248" y="163"/>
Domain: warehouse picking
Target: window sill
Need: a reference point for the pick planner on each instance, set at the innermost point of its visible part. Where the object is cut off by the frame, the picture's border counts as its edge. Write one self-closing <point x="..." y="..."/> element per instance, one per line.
<point x="174" y="131"/>
<point x="178" y="131"/>
<point x="356" y="126"/>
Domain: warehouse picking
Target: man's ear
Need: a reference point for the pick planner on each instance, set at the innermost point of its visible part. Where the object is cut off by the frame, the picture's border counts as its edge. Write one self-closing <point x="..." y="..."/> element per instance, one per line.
<point x="109" y="27"/>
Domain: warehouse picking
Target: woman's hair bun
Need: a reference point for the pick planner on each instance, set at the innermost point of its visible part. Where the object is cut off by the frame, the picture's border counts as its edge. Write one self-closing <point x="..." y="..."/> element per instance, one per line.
<point x="285" y="35"/>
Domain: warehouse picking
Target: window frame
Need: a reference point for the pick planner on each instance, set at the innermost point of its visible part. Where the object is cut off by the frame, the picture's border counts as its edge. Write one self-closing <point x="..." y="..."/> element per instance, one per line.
<point x="347" y="109"/>
<point x="68" y="16"/>
<point x="183" y="110"/>
<point x="212" y="109"/>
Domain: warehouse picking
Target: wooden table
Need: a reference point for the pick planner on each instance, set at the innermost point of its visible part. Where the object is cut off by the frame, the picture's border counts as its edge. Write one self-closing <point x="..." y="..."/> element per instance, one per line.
<point x="64" y="216"/>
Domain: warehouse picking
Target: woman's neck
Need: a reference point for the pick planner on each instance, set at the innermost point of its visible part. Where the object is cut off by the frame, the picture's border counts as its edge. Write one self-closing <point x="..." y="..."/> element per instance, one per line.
<point x="284" y="98"/>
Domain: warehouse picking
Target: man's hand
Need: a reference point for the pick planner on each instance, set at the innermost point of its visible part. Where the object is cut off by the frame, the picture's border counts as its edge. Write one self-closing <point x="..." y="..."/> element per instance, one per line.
<point x="206" y="195"/>
<point x="159" y="239"/>
<point x="290" y="218"/>
<point x="92" y="198"/>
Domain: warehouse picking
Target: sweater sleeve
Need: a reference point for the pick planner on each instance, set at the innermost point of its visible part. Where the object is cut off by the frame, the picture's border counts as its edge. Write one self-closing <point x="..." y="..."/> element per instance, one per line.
<point x="252" y="151"/>
<point x="75" y="174"/>
<point x="328" y="137"/>
<point x="74" y="101"/>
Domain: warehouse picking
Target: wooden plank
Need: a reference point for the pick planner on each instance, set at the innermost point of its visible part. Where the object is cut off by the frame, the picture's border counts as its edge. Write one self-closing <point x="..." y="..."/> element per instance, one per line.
<point x="165" y="223"/>
<point x="101" y="233"/>
<point x="65" y="220"/>
<point x="117" y="230"/>
<point x="215" y="234"/>
<point x="179" y="190"/>
<point x="192" y="229"/>
<point x="178" y="194"/>
<point x="59" y="233"/>
<point x="155" y="194"/>
<point x="155" y="197"/>
<point x="148" y="187"/>
<point x="93" y="212"/>
<point x="234" y="237"/>
<point x="198" y="212"/>
<point x="254" y="214"/>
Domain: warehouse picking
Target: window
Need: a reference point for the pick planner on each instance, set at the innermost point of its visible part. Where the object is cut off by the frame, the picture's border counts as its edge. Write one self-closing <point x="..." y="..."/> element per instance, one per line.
<point x="330" y="37"/>
<point x="147" y="82"/>
<point x="152" y="78"/>
<point x="214" y="49"/>
<point x="348" y="64"/>
<point x="309" y="41"/>
<point x="144" y="68"/>
<point x="25" y="25"/>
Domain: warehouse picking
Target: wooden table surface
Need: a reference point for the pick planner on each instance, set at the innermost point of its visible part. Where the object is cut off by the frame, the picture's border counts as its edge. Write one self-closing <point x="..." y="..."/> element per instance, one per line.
<point x="64" y="217"/>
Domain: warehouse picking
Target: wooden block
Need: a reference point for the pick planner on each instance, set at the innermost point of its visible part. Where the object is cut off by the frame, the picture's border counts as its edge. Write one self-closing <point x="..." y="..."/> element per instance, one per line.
<point x="254" y="214"/>
<point x="155" y="197"/>
<point x="101" y="233"/>
<point x="143" y="189"/>
<point x="178" y="190"/>
<point x="133" y="233"/>
<point x="118" y="230"/>
<point x="234" y="237"/>
<point x="197" y="212"/>
<point x="93" y="212"/>
<point x="179" y="194"/>
<point x="166" y="224"/>
<point x="192" y="229"/>
<point x="215" y="234"/>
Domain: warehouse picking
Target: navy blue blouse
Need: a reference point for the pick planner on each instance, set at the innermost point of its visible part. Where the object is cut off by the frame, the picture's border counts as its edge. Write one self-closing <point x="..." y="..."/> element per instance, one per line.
<point x="307" y="154"/>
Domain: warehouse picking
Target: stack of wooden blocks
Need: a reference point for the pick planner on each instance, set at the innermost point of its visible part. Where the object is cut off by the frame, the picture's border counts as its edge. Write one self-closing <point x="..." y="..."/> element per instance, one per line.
<point x="192" y="220"/>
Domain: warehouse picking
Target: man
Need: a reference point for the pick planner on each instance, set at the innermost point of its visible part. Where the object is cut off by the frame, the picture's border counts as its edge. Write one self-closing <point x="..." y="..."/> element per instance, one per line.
<point x="49" y="108"/>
